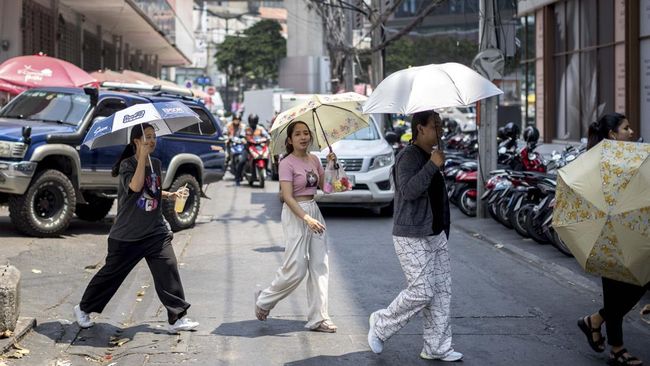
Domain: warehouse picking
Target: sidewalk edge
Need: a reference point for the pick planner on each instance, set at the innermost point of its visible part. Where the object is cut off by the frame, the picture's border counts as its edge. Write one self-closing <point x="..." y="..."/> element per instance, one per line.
<point x="24" y="325"/>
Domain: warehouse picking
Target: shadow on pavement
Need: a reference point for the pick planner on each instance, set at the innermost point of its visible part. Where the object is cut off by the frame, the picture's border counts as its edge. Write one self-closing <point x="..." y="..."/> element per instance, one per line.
<point x="354" y="358"/>
<point x="100" y="335"/>
<point x="255" y="328"/>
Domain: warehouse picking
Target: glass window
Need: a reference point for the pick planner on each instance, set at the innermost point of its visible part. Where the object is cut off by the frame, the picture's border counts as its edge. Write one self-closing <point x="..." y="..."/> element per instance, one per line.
<point x="605" y="21"/>
<point x="560" y="27"/>
<point x="584" y="69"/>
<point x="589" y="29"/>
<point x="206" y="127"/>
<point x="368" y="133"/>
<point x="48" y="106"/>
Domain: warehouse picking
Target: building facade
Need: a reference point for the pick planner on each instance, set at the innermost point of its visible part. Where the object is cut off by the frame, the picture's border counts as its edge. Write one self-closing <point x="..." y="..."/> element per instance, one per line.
<point x="582" y="59"/>
<point x="140" y="35"/>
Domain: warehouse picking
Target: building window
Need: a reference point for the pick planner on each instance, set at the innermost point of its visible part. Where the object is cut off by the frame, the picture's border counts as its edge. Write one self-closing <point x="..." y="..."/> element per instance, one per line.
<point x="583" y="58"/>
<point x="526" y="35"/>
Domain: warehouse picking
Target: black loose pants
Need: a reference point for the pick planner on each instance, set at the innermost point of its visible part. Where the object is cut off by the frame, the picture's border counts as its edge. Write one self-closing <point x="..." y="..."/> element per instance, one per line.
<point x="618" y="299"/>
<point x="122" y="257"/>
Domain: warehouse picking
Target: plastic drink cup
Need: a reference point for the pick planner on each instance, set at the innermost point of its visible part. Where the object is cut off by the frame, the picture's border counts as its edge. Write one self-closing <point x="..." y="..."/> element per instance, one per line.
<point x="179" y="205"/>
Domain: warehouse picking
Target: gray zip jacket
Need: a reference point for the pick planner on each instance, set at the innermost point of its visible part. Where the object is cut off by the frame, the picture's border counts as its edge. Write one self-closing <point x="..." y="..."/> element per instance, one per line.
<point x="413" y="216"/>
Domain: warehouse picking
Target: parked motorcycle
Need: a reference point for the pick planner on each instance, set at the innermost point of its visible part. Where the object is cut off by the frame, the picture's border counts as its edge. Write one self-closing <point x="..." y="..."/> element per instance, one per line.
<point x="258" y="161"/>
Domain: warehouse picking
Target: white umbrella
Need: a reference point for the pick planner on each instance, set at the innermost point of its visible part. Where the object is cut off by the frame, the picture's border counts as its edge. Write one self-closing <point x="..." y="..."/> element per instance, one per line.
<point x="424" y="88"/>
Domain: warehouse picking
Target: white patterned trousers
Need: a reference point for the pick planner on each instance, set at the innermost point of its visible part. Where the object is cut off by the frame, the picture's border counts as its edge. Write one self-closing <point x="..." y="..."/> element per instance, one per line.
<point x="425" y="262"/>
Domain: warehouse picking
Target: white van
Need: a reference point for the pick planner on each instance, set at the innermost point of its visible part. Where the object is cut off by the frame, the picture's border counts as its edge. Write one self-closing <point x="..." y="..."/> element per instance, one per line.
<point x="368" y="160"/>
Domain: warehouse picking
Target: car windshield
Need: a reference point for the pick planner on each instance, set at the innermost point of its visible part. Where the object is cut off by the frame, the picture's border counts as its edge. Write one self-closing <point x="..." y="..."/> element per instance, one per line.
<point x="366" y="134"/>
<point x="48" y="106"/>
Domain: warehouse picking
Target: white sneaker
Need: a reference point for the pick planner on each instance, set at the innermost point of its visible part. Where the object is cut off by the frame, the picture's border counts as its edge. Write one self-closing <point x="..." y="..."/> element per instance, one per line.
<point x="452" y="356"/>
<point x="375" y="343"/>
<point x="182" y="324"/>
<point x="83" y="319"/>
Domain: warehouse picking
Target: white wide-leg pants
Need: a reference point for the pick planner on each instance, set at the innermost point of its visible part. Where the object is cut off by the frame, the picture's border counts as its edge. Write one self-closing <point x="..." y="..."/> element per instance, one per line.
<point x="305" y="253"/>
<point x="425" y="262"/>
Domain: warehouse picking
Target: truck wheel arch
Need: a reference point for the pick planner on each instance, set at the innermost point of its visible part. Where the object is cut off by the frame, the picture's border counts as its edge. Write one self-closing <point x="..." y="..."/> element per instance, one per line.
<point x="61" y="157"/>
<point x="183" y="163"/>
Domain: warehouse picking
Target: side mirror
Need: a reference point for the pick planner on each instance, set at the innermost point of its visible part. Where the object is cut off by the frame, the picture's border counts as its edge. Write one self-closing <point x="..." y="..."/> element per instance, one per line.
<point x="391" y="137"/>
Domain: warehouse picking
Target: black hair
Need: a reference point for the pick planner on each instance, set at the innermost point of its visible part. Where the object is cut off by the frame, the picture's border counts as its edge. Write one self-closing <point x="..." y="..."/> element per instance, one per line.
<point x="600" y="130"/>
<point x="420" y="119"/>
<point x="129" y="150"/>
<point x="292" y="126"/>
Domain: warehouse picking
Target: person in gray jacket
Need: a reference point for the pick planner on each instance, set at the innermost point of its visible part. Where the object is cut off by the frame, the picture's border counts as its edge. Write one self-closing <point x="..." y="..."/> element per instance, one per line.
<point x="420" y="232"/>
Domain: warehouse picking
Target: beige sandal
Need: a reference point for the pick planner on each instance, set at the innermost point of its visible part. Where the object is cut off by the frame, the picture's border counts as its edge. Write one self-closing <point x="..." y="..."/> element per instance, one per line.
<point x="260" y="313"/>
<point x="326" y="326"/>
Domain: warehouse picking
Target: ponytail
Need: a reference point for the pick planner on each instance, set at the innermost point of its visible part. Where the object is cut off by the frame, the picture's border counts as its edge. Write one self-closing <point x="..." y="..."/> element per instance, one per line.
<point x="600" y="130"/>
<point x="128" y="152"/>
<point x="593" y="135"/>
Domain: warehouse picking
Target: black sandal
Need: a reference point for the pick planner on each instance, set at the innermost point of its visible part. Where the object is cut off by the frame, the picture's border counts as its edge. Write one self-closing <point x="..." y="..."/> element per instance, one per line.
<point x="620" y="359"/>
<point x="589" y="330"/>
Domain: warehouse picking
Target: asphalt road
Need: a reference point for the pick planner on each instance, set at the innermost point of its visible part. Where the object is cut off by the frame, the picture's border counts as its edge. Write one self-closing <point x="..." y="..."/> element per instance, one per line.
<point x="514" y="302"/>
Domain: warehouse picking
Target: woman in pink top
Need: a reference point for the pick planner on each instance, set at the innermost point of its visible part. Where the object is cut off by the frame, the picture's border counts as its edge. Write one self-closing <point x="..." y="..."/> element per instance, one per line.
<point x="301" y="173"/>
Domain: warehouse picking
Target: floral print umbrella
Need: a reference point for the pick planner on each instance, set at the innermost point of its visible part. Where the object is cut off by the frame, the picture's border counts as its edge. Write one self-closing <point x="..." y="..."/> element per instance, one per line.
<point x="329" y="117"/>
<point x="602" y="210"/>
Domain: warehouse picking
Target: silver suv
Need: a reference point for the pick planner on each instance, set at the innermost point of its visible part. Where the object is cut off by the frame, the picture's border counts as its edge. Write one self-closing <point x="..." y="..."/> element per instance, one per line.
<point x="368" y="160"/>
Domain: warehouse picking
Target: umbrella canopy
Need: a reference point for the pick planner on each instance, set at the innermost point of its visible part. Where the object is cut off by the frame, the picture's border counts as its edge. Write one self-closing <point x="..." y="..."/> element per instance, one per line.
<point x="602" y="210"/>
<point x="25" y="72"/>
<point x="424" y="88"/>
<point x="114" y="76"/>
<point x="165" y="117"/>
<point x="146" y="79"/>
<point x="329" y="117"/>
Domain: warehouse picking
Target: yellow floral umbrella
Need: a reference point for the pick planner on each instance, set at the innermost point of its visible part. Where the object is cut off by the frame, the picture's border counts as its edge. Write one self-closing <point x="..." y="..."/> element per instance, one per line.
<point x="329" y="117"/>
<point x="602" y="210"/>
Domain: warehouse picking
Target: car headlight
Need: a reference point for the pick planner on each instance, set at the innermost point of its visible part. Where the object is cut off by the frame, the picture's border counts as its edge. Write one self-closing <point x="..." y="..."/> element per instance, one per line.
<point x="381" y="161"/>
<point x="12" y="149"/>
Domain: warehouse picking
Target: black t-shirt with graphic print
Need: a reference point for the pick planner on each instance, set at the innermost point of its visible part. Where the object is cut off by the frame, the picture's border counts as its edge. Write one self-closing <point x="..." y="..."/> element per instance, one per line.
<point x="139" y="214"/>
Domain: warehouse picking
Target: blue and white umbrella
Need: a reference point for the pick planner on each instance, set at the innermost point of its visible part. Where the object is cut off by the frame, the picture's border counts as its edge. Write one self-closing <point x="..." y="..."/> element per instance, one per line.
<point x="165" y="117"/>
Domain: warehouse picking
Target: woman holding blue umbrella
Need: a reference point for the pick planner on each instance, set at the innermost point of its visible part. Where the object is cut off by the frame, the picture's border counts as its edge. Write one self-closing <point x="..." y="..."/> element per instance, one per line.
<point x="139" y="231"/>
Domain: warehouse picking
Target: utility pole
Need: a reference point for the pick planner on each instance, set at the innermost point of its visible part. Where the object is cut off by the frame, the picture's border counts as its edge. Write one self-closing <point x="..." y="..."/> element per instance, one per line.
<point x="349" y="60"/>
<point x="377" y="63"/>
<point x="487" y="136"/>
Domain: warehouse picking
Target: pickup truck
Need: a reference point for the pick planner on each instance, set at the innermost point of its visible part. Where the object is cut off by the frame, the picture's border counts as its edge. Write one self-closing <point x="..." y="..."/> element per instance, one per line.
<point x="47" y="176"/>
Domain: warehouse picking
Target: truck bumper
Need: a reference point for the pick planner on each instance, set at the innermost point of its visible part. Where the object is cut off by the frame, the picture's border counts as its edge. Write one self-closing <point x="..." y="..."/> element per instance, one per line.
<point x="16" y="176"/>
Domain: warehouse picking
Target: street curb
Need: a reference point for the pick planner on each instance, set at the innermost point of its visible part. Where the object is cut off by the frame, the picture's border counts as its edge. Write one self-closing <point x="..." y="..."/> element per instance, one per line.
<point x="23" y="326"/>
<point x="545" y="266"/>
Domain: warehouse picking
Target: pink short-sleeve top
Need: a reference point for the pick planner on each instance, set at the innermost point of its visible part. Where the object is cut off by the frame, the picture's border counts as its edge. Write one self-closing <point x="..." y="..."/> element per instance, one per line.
<point x="302" y="173"/>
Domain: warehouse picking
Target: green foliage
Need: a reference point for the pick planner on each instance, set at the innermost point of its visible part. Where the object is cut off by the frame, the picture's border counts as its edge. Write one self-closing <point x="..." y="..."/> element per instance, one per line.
<point x="255" y="55"/>
<point x="407" y="52"/>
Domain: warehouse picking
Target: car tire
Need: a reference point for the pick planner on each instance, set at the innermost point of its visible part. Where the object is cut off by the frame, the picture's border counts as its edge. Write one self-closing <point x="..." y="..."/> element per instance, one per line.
<point x="186" y="219"/>
<point x="46" y="208"/>
<point x="96" y="209"/>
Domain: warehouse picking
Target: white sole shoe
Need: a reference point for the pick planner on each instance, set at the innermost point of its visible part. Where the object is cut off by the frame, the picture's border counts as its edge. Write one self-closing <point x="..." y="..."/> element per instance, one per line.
<point x="83" y="319"/>
<point x="453" y="356"/>
<point x="375" y="343"/>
